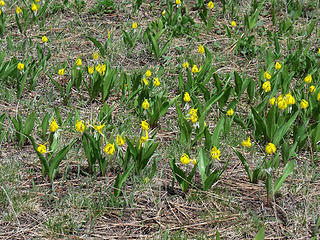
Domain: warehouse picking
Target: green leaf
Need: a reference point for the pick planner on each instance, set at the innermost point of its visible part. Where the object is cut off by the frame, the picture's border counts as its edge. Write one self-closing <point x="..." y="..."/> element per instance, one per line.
<point x="245" y="164"/>
<point x="121" y="178"/>
<point x="217" y="132"/>
<point x="202" y="164"/>
<point x="56" y="160"/>
<point x="98" y="45"/>
<point x="288" y="169"/>
<point x="281" y="132"/>
<point x="260" y="234"/>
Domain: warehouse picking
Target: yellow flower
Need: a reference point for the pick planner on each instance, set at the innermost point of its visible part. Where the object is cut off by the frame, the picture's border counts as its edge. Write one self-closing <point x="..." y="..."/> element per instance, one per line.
<point x="193" y="118"/>
<point x="79" y="62"/>
<point x="266" y="86"/>
<point x="233" y="24"/>
<point x="156" y="82"/>
<point x="289" y="99"/>
<point x="44" y="39"/>
<point x="178" y="2"/>
<point x="144" y="139"/>
<point x="282" y="104"/>
<point x="134" y="25"/>
<point x="0" y="11"/>
<point x="120" y="140"/>
<point x="195" y="69"/>
<point x="42" y="148"/>
<point x="144" y="125"/>
<point x="267" y="75"/>
<point x="90" y="70"/>
<point x="201" y="49"/>
<point x="215" y="153"/>
<point x="108" y="36"/>
<point x="272" y="101"/>
<point x="319" y="51"/>
<point x="2" y="3"/>
<point x="277" y="66"/>
<point x="20" y="66"/>
<point x="210" y="5"/>
<point x="194" y="162"/>
<point x="193" y="111"/>
<point x="308" y="79"/>
<point x="246" y="143"/>
<point x="304" y="104"/>
<point x="186" y="65"/>
<point x="163" y="12"/>
<point x="186" y="97"/>
<point x="230" y="112"/>
<point x="145" y="81"/>
<point x="34" y="7"/>
<point x="185" y="159"/>
<point x="318" y="97"/>
<point x="18" y="10"/>
<point x="145" y="104"/>
<point x="98" y="128"/>
<point x="271" y="148"/>
<point x="95" y="56"/>
<point x="312" y="89"/>
<point x="80" y="127"/>
<point x="148" y="73"/>
<point x="61" y="72"/>
<point x="109" y="149"/>
<point x="53" y="126"/>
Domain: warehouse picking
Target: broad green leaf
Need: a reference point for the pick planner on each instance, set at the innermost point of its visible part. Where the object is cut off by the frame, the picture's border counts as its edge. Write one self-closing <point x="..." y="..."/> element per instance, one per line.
<point x="288" y="169"/>
<point x="121" y="178"/>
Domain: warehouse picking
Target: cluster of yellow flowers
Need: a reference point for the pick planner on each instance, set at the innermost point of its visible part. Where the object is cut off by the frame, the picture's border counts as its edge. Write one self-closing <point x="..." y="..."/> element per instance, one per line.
<point x="283" y="101"/>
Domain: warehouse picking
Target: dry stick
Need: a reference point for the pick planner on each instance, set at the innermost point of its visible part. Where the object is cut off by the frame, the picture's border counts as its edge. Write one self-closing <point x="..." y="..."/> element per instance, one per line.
<point x="11" y="205"/>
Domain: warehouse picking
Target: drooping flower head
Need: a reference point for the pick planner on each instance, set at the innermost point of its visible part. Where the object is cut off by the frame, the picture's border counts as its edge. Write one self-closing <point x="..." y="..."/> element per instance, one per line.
<point x="98" y="128"/>
<point x="186" y="97"/>
<point x="109" y="149"/>
<point x="145" y="125"/>
<point x="42" y="148"/>
<point x="120" y="140"/>
<point x="267" y="75"/>
<point x="184" y="159"/>
<point x="304" y="104"/>
<point x="44" y="39"/>
<point x="145" y="104"/>
<point x="271" y="148"/>
<point x="53" y="127"/>
<point x="266" y="86"/>
<point x="308" y="79"/>
<point x="277" y="66"/>
<point x="246" y="143"/>
<point x="20" y="66"/>
<point x="201" y="49"/>
<point x="230" y="112"/>
<point x="215" y="153"/>
<point x="210" y="5"/>
<point x="61" y="72"/>
<point x="80" y="127"/>
<point x="156" y="82"/>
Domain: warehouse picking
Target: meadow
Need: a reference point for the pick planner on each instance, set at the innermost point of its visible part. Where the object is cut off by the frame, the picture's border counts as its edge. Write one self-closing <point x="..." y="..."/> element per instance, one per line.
<point x="172" y="119"/>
